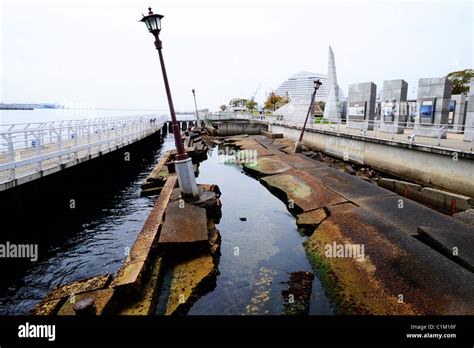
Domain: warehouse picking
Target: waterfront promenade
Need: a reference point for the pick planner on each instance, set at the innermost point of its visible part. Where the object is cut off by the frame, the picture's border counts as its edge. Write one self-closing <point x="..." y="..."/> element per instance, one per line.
<point x="29" y="151"/>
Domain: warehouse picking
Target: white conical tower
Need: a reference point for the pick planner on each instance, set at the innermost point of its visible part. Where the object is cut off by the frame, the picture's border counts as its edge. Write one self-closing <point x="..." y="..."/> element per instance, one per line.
<point x="332" y="108"/>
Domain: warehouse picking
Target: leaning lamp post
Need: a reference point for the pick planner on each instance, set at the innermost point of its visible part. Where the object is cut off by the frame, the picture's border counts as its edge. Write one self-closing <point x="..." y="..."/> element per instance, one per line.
<point x="197" y="112"/>
<point x="299" y="143"/>
<point x="183" y="163"/>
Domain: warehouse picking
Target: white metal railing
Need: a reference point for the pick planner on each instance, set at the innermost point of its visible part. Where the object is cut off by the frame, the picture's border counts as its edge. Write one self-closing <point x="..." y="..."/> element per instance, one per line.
<point x="27" y="148"/>
<point x="443" y="135"/>
<point x="410" y="132"/>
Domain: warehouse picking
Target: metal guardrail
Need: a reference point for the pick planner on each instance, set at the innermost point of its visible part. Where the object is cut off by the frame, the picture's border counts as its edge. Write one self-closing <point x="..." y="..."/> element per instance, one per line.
<point x="28" y="148"/>
<point x="412" y="131"/>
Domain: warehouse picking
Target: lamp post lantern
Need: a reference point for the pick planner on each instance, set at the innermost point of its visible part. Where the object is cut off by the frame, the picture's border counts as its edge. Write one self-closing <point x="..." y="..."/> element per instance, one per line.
<point x="195" y="105"/>
<point x="183" y="163"/>
<point x="298" y="145"/>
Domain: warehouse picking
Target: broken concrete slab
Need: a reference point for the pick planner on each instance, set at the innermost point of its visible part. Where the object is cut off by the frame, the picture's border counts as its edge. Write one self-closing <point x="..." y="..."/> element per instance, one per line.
<point x="80" y="286"/>
<point x="466" y="216"/>
<point x="407" y="215"/>
<point x="405" y="188"/>
<point x="310" y="220"/>
<point x="301" y="162"/>
<point x="184" y="223"/>
<point x="252" y="145"/>
<point x="144" y="303"/>
<point x="456" y="245"/>
<point x="349" y="186"/>
<point x="303" y="190"/>
<point x="386" y="183"/>
<point x="103" y="302"/>
<point x="129" y="277"/>
<point x="438" y="199"/>
<point x="393" y="266"/>
<point x="446" y="200"/>
<point x="148" y="237"/>
<point x="48" y="307"/>
<point x="189" y="279"/>
<point x="158" y="176"/>
<point x="272" y="135"/>
<point x="267" y="165"/>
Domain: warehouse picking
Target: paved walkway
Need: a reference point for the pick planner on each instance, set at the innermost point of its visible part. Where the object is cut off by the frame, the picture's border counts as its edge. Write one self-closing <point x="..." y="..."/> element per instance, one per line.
<point x="32" y="152"/>
<point x="398" y="274"/>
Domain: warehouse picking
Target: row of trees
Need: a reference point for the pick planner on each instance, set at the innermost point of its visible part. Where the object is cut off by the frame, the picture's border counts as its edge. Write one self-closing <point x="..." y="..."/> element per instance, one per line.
<point x="249" y="104"/>
<point x="273" y="102"/>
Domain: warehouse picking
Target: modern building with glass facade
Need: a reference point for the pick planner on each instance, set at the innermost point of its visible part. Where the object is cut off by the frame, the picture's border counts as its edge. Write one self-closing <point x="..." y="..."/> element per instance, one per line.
<point x="301" y="85"/>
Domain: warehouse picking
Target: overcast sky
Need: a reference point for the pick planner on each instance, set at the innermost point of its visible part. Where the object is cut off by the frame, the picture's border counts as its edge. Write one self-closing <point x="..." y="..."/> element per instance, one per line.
<point x="95" y="52"/>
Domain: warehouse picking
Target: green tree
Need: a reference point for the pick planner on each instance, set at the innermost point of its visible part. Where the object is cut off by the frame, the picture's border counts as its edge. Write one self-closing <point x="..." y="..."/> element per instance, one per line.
<point x="460" y="80"/>
<point x="275" y="101"/>
<point x="223" y="107"/>
<point x="321" y="104"/>
<point x="251" y="105"/>
<point x="236" y="102"/>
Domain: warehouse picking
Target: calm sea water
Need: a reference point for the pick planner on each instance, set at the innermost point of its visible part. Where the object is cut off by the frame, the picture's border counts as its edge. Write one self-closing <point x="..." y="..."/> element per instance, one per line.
<point x="95" y="242"/>
<point x="268" y="242"/>
<point x="43" y="115"/>
<point x="269" y="245"/>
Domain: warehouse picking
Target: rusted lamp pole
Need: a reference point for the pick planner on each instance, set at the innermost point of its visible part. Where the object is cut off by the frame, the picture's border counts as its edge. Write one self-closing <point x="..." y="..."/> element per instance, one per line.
<point x="195" y="105"/>
<point x="183" y="163"/>
<point x="298" y="145"/>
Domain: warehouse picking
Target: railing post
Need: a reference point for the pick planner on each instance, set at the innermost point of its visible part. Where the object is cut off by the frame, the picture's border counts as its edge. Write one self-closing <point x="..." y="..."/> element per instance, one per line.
<point x="60" y="144"/>
<point x="38" y="150"/>
<point x="11" y="155"/>
<point x="440" y="132"/>
<point x="89" y="150"/>
<point x="76" y="137"/>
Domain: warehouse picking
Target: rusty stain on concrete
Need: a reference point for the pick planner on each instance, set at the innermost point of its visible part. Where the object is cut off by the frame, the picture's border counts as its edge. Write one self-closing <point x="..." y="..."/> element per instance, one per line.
<point x="48" y="307"/>
<point x="80" y="286"/>
<point x="102" y="299"/>
<point x="129" y="276"/>
<point x="306" y="192"/>
<point x="184" y="223"/>
<point x="144" y="303"/>
<point x="131" y="273"/>
<point x="56" y="297"/>
<point x="310" y="220"/>
<point x="267" y="165"/>
<point x="188" y="276"/>
<point x="350" y="282"/>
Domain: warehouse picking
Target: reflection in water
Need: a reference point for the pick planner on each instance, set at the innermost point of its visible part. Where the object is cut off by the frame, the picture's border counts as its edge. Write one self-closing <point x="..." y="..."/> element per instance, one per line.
<point x="96" y="245"/>
<point x="259" y="253"/>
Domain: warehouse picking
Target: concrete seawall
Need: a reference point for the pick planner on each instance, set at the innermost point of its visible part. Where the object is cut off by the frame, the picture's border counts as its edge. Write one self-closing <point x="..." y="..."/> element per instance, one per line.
<point x="443" y="168"/>
<point x="226" y="128"/>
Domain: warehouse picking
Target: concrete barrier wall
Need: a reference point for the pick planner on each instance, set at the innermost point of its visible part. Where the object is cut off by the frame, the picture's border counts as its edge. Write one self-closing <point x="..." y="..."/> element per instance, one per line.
<point x="239" y="127"/>
<point x="422" y="164"/>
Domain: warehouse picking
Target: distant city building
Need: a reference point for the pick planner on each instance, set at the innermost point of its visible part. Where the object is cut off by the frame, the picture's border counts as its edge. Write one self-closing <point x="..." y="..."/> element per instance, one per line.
<point x="301" y="85"/>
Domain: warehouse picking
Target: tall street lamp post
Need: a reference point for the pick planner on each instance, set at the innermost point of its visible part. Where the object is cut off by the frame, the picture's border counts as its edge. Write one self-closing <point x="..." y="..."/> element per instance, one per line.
<point x="183" y="163"/>
<point x="299" y="145"/>
<point x="195" y="105"/>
